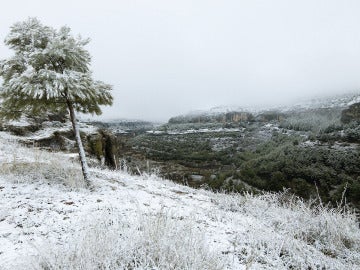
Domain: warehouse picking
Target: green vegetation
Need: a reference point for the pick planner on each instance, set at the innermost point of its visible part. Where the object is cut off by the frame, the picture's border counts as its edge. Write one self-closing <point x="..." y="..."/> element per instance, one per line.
<point x="281" y="163"/>
<point x="311" y="153"/>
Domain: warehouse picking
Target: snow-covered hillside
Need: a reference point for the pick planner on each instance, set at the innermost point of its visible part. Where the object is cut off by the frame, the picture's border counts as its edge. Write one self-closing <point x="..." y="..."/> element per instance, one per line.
<point x="48" y="221"/>
<point x="334" y="101"/>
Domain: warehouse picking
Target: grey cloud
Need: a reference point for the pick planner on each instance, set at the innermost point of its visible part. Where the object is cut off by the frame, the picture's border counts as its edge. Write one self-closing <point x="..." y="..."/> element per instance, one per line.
<point x="169" y="57"/>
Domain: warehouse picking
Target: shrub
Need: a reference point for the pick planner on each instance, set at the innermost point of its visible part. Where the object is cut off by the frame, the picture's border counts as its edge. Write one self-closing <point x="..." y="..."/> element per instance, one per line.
<point x="31" y="164"/>
<point x="108" y="241"/>
<point x="300" y="235"/>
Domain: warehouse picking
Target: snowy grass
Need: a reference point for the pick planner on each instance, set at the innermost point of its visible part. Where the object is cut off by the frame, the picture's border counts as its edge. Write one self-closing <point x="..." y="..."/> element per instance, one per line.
<point x="144" y="222"/>
<point x="52" y="171"/>
<point x="110" y="241"/>
<point x="300" y="235"/>
<point x="29" y="164"/>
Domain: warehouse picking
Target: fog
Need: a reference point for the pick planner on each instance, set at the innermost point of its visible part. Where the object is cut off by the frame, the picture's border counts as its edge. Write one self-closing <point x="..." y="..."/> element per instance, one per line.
<point x="165" y="58"/>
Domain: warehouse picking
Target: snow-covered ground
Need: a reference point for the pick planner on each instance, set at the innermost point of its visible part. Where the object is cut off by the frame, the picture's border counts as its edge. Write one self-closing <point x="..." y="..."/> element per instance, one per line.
<point x="48" y="128"/>
<point x="48" y="221"/>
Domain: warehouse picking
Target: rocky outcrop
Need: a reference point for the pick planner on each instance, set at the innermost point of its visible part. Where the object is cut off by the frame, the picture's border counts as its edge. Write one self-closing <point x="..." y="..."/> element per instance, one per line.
<point x="104" y="146"/>
<point x="236" y="117"/>
<point x="229" y="117"/>
<point x="20" y="130"/>
<point x="351" y="114"/>
<point x="270" y="116"/>
<point x="30" y="124"/>
<point x="58" y="141"/>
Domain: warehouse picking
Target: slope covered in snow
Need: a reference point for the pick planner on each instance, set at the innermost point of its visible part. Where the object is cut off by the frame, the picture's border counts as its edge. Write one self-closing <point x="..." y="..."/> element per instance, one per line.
<point x="48" y="221"/>
<point x="317" y="102"/>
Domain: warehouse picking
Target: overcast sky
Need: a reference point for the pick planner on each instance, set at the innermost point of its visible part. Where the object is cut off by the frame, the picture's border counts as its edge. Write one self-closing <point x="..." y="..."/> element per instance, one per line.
<point x="166" y="57"/>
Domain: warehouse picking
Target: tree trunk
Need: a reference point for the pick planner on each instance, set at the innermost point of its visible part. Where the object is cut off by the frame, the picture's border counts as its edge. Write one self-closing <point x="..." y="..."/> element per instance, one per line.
<point x="84" y="166"/>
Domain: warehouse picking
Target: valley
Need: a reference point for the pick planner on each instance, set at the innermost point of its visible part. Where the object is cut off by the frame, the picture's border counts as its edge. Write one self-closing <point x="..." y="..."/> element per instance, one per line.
<point x="310" y="150"/>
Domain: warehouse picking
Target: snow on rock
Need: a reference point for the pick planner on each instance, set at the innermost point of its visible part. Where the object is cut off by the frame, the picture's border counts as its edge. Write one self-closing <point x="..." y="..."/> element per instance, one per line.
<point x="22" y="122"/>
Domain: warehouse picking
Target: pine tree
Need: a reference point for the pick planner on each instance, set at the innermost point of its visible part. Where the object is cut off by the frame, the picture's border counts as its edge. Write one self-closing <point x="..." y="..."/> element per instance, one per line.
<point x="50" y="72"/>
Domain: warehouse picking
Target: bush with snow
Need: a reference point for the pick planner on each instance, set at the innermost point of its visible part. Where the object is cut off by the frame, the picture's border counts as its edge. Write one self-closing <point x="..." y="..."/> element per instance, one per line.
<point x="299" y="234"/>
<point x="29" y="164"/>
<point x="110" y="241"/>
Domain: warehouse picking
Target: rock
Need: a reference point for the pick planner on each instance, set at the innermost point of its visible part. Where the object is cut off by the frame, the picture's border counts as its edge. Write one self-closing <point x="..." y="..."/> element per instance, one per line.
<point x="351" y="114"/>
<point x="196" y="177"/>
<point x="104" y="145"/>
<point x="229" y="117"/>
<point x="270" y="116"/>
<point x="21" y="130"/>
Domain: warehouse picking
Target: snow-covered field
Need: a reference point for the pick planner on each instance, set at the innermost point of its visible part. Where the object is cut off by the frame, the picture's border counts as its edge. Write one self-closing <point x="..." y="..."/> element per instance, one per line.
<point x="48" y="221"/>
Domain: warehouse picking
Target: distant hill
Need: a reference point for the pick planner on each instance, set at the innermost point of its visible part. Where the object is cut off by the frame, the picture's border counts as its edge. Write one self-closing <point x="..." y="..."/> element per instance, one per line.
<point x="124" y="125"/>
<point x="235" y="114"/>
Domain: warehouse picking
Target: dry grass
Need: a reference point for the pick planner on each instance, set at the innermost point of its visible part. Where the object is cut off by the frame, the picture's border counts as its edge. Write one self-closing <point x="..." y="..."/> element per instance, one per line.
<point x="32" y="164"/>
<point x="300" y="235"/>
<point x="159" y="241"/>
